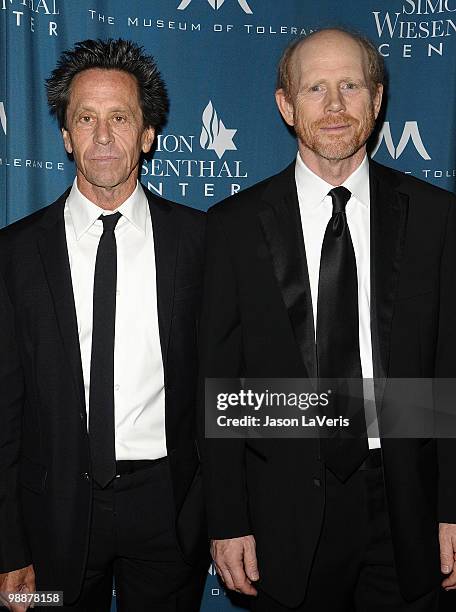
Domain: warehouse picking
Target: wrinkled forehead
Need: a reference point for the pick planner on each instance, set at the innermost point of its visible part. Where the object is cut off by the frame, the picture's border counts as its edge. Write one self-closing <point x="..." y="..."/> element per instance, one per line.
<point x="327" y="54"/>
<point x="99" y="82"/>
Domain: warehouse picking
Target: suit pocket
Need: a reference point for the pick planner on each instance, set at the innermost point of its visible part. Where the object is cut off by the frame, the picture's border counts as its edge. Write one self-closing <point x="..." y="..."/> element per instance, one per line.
<point x="32" y="475"/>
<point x="187" y="292"/>
<point x="420" y="294"/>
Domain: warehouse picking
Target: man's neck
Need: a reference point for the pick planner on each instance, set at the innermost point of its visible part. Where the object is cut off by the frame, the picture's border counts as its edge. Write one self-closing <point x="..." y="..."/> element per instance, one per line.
<point x="333" y="171"/>
<point x="104" y="197"/>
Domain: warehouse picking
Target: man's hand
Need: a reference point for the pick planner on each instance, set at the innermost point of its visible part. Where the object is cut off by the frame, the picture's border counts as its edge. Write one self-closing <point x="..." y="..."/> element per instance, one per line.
<point x="236" y="563"/>
<point x="447" y="537"/>
<point x="17" y="581"/>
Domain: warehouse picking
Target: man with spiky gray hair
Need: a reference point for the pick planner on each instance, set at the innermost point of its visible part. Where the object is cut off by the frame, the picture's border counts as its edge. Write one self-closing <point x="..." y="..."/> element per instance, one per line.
<point x="99" y="475"/>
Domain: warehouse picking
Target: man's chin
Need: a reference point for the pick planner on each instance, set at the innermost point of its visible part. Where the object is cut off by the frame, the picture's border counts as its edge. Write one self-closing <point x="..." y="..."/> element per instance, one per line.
<point x="334" y="151"/>
<point x="104" y="182"/>
<point x="338" y="155"/>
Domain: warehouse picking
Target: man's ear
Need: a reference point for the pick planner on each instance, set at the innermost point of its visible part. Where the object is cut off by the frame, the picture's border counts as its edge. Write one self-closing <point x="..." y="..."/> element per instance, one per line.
<point x="378" y="99"/>
<point x="67" y="141"/>
<point x="148" y="139"/>
<point x="285" y="106"/>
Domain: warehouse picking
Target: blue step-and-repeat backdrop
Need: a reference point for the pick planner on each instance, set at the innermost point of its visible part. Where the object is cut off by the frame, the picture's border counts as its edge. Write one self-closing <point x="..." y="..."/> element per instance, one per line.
<point x="218" y="58"/>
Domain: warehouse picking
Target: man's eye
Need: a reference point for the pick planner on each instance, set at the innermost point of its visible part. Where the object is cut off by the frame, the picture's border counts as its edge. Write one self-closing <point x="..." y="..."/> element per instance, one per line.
<point x="349" y="86"/>
<point x="120" y="119"/>
<point x="86" y="119"/>
<point x="316" y="88"/>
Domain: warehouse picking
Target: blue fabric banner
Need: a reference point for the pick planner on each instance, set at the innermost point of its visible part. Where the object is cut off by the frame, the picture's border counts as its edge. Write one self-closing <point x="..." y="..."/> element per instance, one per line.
<point x="218" y="59"/>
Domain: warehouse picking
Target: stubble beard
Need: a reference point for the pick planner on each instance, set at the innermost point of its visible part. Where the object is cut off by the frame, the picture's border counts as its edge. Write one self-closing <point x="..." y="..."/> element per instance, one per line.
<point x="334" y="146"/>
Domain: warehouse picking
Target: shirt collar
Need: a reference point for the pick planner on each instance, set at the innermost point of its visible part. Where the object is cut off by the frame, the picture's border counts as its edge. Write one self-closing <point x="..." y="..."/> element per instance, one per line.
<point x="84" y="213"/>
<point x="314" y="189"/>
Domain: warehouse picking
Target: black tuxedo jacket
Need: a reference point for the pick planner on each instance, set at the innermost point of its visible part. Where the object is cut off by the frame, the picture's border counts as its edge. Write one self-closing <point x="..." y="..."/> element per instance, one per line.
<point x="45" y="488"/>
<point x="257" y="322"/>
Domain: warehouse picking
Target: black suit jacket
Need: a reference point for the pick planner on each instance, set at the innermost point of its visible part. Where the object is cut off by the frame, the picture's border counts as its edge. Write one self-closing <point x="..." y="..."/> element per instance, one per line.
<point x="45" y="488"/>
<point x="257" y="322"/>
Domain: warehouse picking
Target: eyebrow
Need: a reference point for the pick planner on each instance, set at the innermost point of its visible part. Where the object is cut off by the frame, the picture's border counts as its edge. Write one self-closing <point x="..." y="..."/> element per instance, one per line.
<point x="360" y="81"/>
<point x="114" y="109"/>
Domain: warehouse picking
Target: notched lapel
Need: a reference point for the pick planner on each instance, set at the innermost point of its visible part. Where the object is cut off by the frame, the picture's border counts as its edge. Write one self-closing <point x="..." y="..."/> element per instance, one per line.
<point x="166" y="244"/>
<point x="389" y="210"/>
<point x="54" y="255"/>
<point x="281" y="223"/>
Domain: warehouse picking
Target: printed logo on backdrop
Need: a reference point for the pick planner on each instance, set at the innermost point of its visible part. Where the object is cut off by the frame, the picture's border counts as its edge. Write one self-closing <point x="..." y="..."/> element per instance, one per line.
<point x="411" y="132"/>
<point x="278" y="28"/>
<point x="215" y="591"/>
<point x="216" y="4"/>
<point x="3" y="117"/>
<point x="34" y="15"/>
<point x="410" y="140"/>
<point x="214" y="135"/>
<point x="212" y="571"/>
<point x="417" y="28"/>
<point x="19" y="161"/>
<point x="204" y="164"/>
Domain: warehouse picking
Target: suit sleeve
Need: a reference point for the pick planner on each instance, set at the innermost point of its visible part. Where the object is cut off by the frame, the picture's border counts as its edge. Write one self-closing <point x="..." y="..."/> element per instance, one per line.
<point x="445" y="373"/>
<point x="221" y="357"/>
<point x="14" y="553"/>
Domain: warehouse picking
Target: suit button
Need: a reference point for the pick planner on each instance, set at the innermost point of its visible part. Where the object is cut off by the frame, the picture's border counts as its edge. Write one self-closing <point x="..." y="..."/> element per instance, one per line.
<point x="85" y="476"/>
<point x="317" y="482"/>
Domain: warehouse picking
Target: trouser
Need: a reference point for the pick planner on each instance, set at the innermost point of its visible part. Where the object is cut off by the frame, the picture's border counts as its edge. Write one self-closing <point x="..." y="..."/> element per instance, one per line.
<point x="133" y="541"/>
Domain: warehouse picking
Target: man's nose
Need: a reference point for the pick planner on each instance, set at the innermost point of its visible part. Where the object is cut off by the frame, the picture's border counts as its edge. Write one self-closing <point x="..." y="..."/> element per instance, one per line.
<point x="335" y="101"/>
<point x="103" y="132"/>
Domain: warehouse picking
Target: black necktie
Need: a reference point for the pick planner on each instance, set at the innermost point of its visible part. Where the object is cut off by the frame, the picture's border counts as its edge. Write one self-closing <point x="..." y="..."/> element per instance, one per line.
<point x="101" y="397"/>
<point x="338" y="340"/>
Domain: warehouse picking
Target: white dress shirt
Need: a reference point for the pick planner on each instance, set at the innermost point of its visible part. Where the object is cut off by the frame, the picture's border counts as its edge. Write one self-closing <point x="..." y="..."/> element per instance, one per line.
<point x="315" y="206"/>
<point x="139" y="398"/>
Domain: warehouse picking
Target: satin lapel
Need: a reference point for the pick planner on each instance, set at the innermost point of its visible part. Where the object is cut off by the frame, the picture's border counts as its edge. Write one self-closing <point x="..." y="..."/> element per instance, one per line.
<point x="54" y="256"/>
<point x="281" y="223"/>
<point x="166" y="243"/>
<point x="389" y="209"/>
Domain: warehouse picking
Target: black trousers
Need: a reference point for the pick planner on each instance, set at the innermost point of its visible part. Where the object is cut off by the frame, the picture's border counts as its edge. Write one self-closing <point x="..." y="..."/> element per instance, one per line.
<point x="353" y="568"/>
<point x="133" y="541"/>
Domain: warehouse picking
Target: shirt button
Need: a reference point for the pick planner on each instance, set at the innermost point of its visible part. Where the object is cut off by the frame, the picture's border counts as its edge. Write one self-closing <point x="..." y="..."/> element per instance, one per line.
<point x="116" y="387"/>
<point x="117" y="292"/>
